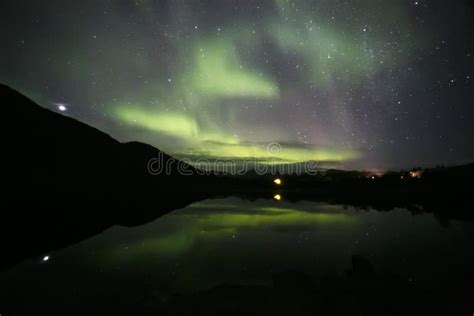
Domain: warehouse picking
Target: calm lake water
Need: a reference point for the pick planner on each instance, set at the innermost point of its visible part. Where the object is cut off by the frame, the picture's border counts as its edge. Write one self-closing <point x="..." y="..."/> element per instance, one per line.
<point x="237" y="242"/>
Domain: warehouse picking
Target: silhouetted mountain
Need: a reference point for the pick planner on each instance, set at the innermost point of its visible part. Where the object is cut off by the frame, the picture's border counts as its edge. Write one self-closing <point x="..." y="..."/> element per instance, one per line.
<point x="50" y="152"/>
<point x="65" y="181"/>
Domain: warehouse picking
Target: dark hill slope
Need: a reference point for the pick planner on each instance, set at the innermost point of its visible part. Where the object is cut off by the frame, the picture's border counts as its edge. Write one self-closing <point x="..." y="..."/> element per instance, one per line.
<point x="64" y="181"/>
<point x="48" y="153"/>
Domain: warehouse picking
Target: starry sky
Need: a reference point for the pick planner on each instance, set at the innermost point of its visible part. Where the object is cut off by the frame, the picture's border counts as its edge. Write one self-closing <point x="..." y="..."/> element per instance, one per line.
<point x="365" y="84"/>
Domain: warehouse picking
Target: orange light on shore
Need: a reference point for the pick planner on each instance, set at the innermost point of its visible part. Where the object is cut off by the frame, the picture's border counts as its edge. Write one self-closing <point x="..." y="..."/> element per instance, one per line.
<point x="277" y="181"/>
<point x="277" y="197"/>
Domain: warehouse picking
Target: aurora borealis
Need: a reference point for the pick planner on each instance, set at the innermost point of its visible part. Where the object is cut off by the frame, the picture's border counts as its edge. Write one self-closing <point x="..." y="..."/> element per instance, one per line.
<point x="357" y="84"/>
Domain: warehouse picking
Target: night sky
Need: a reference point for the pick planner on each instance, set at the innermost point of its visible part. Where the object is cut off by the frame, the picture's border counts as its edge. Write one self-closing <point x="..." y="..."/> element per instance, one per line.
<point x="364" y="84"/>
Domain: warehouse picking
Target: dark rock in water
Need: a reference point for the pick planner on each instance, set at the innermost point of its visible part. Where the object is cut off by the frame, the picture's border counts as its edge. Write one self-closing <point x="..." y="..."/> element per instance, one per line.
<point x="362" y="267"/>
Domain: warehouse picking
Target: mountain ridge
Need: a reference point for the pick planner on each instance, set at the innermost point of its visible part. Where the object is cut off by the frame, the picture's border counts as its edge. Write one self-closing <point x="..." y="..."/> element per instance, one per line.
<point x="49" y="152"/>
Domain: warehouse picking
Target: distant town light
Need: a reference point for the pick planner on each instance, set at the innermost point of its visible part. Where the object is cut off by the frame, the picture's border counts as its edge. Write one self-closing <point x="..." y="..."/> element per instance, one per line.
<point x="277" y="197"/>
<point x="278" y="181"/>
<point x="415" y="174"/>
<point x="45" y="258"/>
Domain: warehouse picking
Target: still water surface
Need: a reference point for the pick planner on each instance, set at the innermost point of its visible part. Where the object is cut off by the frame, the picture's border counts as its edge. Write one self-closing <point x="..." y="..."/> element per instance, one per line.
<point x="238" y="242"/>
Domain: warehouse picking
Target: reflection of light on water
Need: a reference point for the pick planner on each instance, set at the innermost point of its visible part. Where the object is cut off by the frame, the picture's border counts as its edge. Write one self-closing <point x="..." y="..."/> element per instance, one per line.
<point x="277" y="181"/>
<point x="217" y="221"/>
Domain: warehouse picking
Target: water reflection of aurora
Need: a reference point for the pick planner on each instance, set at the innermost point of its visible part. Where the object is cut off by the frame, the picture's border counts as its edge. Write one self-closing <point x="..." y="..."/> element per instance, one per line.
<point x="210" y="220"/>
<point x="184" y="247"/>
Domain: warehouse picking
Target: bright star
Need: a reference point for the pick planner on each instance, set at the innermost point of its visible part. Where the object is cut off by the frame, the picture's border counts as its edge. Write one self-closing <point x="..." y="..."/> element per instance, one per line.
<point x="61" y="106"/>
